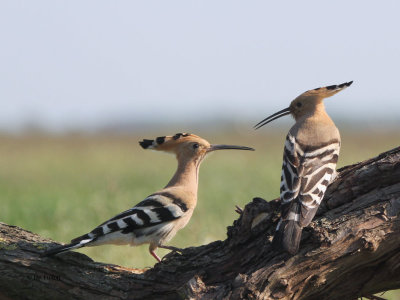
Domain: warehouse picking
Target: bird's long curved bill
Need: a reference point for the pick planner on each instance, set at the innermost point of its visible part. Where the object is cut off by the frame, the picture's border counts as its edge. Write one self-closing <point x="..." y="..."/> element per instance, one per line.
<point x="275" y="116"/>
<point x="228" y="147"/>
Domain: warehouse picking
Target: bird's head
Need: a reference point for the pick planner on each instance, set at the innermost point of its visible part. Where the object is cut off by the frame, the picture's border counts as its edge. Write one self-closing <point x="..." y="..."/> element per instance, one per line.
<point x="306" y="103"/>
<point x="186" y="146"/>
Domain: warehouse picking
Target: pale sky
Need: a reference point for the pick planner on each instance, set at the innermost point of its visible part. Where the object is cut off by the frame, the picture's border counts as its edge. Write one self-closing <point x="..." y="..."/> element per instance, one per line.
<point x="84" y="63"/>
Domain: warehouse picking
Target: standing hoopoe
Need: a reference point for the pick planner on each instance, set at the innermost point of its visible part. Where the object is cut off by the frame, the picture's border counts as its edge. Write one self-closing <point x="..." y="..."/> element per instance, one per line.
<point x="309" y="162"/>
<point x="157" y="218"/>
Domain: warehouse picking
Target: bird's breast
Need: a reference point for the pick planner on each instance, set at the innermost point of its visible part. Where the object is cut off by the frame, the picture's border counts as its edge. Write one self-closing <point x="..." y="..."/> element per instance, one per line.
<point x="313" y="133"/>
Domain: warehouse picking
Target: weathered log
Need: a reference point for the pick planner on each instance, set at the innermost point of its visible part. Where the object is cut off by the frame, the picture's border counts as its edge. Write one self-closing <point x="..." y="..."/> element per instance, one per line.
<point x="351" y="249"/>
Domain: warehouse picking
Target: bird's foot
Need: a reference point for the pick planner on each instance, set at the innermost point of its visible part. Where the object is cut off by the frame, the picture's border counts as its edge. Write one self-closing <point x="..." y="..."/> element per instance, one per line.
<point x="155" y="255"/>
<point x="173" y="249"/>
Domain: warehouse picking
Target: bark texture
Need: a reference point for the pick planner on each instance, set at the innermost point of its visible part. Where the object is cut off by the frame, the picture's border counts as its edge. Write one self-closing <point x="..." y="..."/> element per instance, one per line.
<point x="351" y="249"/>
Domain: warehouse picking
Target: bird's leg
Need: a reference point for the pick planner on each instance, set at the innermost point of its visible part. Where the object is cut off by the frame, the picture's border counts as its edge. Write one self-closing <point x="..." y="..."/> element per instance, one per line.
<point x="238" y="209"/>
<point x="151" y="250"/>
<point x="174" y="249"/>
<point x="155" y="256"/>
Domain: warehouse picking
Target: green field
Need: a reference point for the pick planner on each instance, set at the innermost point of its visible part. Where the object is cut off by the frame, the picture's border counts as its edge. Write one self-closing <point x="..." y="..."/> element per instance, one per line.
<point x="63" y="186"/>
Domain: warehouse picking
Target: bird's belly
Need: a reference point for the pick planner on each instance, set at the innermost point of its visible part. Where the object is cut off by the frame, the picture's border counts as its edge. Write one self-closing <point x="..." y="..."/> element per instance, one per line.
<point x="157" y="235"/>
<point x="114" y="238"/>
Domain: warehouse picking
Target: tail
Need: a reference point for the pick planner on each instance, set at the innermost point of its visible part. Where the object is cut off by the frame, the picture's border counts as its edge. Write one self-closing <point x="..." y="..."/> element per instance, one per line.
<point x="79" y="242"/>
<point x="287" y="236"/>
<point x="61" y="249"/>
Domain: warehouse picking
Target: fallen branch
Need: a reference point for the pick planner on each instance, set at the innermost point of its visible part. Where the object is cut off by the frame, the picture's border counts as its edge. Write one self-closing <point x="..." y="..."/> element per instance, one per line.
<point x="351" y="249"/>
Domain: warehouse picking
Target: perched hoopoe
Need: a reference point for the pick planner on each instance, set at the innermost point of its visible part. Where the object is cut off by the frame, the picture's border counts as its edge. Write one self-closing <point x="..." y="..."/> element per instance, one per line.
<point x="157" y="218"/>
<point x="309" y="162"/>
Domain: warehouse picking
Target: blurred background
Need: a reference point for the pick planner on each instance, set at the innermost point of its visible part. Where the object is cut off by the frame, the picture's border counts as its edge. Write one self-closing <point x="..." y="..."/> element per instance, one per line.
<point x="81" y="82"/>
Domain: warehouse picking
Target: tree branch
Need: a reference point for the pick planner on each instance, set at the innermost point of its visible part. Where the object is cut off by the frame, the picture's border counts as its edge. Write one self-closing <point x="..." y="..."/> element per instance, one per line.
<point x="351" y="249"/>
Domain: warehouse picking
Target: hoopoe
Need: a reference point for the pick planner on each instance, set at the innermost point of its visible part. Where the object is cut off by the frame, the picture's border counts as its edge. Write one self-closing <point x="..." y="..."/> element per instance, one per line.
<point x="158" y="217"/>
<point x="310" y="155"/>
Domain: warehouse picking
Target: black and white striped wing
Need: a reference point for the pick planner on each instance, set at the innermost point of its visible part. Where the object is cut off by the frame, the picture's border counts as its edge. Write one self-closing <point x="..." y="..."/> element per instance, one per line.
<point x="306" y="174"/>
<point x="154" y="210"/>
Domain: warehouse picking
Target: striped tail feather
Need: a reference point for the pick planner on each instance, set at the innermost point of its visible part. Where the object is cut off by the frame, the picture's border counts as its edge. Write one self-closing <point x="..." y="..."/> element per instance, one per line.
<point x="75" y="244"/>
<point x="288" y="231"/>
<point x="61" y="249"/>
<point x="287" y="236"/>
<point x="295" y="216"/>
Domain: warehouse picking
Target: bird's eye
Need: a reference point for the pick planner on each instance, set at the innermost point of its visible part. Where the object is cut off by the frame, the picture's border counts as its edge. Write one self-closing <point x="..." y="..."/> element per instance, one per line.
<point x="195" y="146"/>
<point x="298" y="104"/>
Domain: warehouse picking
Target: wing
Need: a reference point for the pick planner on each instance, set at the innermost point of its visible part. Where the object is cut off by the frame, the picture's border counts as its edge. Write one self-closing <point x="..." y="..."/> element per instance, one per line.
<point x="290" y="171"/>
<point x="306" y="173"/>
<point x="156" y="209"/>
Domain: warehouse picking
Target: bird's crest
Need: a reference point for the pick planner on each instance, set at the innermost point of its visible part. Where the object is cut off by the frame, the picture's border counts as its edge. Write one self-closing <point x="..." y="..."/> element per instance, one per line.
<point x="169" y="143"/>
<point x="326" y="91"/>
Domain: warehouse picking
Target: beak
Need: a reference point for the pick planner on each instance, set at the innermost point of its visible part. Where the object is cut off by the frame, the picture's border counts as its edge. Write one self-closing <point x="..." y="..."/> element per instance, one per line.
<point x="275" y="116"/>
<point x="227" y="147"/>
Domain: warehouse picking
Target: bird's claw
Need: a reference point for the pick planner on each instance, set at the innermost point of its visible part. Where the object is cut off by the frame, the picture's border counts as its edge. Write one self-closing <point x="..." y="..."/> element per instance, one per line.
<point x="173" y="251"/>
<point x="177" y="250"/>
<point x="238" y="209"/>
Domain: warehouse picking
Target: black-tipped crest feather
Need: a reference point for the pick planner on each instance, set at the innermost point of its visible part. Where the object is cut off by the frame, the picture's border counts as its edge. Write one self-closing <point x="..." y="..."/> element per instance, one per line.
<point x="160" y="140"/>
<point x="336" y="86"/>
<point x="146" y="143"/>
<point x="152" y="144"/>
<point x="178" y="135"/>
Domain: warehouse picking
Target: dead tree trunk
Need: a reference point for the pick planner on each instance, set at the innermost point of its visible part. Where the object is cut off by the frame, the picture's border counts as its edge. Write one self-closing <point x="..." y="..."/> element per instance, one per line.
<point x="350" y="250"/>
